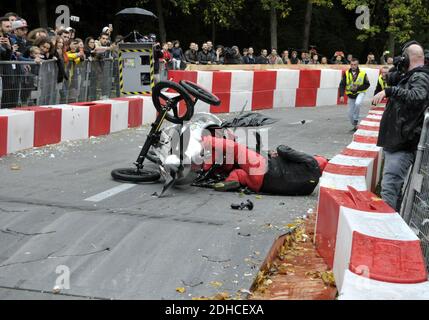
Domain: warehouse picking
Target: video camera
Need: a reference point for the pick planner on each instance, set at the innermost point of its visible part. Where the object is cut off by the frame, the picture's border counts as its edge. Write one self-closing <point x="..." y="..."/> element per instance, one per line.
<point x="401" y="64"/>
<point x="230" y="53"/>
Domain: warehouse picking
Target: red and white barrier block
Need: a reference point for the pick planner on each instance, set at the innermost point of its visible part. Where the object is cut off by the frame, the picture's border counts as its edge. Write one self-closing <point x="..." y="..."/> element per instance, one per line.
<point x="16" y="130"/>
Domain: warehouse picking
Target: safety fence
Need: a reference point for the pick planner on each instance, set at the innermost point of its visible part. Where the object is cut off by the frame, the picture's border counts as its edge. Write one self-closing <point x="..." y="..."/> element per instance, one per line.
<point x="416" y="208"/>
<point x="26" y="83"/>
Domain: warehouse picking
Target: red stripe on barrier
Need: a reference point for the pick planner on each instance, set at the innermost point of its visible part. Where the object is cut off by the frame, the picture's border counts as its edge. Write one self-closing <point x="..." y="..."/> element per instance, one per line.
<point x="378" y="109"/>
<point x="135" y="111"/>
<point x="47" y="125"/>
<point x="178" y="75"/>
<point x="365" y="139"/>
<point x="262" y="100"/>
<point x="264" y="80"/>
<point x="99" y="117"/>
<point x="369" y="128"/>
<point x="3" y="136"/>
<point x="388" y="260"/>
<point x="346" y="170"/>
<point x="309" y="79"/>
<point x="306" y="97"/>
<point x="222" y="89"/>
<point x="372" y="120"/>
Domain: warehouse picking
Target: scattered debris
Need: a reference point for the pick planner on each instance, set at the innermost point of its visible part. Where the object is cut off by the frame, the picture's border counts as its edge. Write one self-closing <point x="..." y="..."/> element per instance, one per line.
<point x="192" y="283"/>
<point x="216" y="259"/>
<point x="216" y="284"/>
<point x="244" y="205"/>
<point x="244" y="234"/>
<point x="15" y="167"/>
<point x="56" y="290"/>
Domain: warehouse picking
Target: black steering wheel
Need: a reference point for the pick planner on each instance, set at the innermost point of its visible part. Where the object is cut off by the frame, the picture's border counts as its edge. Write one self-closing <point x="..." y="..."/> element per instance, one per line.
<point x="200" y="93"/>
<point x="168" y="94"/>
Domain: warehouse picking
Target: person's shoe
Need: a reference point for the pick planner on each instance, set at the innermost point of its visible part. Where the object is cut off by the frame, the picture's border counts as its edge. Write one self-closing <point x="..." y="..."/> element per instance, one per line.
<point x="227" y="186"/>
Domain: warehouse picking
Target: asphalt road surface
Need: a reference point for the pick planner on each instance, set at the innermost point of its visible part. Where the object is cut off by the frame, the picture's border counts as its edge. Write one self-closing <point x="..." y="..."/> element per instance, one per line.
<point x="127" y="244"/>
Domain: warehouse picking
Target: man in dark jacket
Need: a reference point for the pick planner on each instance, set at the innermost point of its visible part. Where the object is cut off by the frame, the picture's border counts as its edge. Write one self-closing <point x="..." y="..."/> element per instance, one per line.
<point x="191" y="55"/>
<point x="204" y="56"/>
<point x="402" y="121"/>
<point x="263" y="58"/>
<point x="284" y="172"/>
<point x="354" y="84"/>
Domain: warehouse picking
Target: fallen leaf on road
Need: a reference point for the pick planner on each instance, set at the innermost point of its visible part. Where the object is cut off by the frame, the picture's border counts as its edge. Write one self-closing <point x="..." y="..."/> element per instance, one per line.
<point x="15" y="167"/>
<point x="216" y="284"/>
<point x="181" y="290"/>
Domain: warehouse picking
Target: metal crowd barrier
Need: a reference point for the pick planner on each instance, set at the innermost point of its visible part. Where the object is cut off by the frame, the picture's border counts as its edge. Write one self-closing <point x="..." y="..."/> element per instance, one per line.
<point x="416" y="208"/>
<point x="24" y="83"/>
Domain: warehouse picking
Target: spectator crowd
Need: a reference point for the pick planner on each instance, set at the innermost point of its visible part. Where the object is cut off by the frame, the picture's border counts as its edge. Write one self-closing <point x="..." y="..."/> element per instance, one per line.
<point x="22" y="52"/>
<point x="19" y="45"/>
<point x="174" y="56"/>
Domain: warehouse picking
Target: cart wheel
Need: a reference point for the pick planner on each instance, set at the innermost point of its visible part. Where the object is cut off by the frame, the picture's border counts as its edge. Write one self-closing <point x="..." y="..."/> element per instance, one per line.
<point x="169" y="93"/>
<point x="134" y="175"/>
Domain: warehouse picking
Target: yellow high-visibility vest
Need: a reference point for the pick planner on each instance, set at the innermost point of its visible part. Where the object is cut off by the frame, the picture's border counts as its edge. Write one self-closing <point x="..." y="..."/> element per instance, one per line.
<point x="358" y="82"/>
<point x="382" y="82"/>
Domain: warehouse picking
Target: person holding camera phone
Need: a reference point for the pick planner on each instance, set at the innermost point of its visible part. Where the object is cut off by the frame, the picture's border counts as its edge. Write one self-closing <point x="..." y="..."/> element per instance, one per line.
<point x="402" y="121"/>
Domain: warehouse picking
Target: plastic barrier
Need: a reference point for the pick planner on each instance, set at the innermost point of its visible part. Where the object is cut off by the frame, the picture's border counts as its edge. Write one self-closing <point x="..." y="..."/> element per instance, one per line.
<point x="47" y="125"/>
<point x="272" y="88"/>
<point x="373" y="252"/>
<point x="19" y="128"/>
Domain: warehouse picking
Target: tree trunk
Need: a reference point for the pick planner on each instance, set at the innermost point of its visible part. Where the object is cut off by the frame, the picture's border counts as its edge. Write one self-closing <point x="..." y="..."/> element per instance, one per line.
<point x="391" y="44"/>
<point x="213" y="32"/>
<point x="19" y="7"/>
<point x="273" y="26"/>
<point x="162" y="31"/>
<point x="43" y="14"/>
<point x="307" y="25"/>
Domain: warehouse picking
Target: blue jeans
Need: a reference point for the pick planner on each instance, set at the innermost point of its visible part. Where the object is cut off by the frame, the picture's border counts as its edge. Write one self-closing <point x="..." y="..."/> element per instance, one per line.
<point x="396" y="167"/>
<point x="354" y="108"/>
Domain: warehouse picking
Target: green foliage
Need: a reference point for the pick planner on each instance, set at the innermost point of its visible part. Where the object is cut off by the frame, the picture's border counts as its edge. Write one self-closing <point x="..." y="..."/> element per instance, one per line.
<point x="397" y="17"/>
<point x="280" y="6"/>
<point x="221" y="12"/>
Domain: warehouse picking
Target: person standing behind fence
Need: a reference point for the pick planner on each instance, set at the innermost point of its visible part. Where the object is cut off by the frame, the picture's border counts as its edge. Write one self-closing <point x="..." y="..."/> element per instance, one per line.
<point x="58" y="56"/>
<point x="75" y="57"/>
<point x="285" y="57"/>
<point x="402" y="121"/>
<point x="274" y="58"/>
<point x="250" y="57"/>
<point x="8" y="72"/>
<point x="204" y="56"/>
<point x="191" y="55"/>
<point x="177" y="55"/>
<point x="354" y="84"/>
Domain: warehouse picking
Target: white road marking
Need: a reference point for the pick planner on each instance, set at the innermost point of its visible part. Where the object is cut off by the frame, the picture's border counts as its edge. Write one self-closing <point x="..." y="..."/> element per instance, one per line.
<point x="110" y="193"/>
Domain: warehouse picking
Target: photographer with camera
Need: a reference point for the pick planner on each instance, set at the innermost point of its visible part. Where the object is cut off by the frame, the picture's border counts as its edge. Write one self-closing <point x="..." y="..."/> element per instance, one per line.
<point x="354" y="84"/>
<point x="233" y="56"/>
<point x="402" y="121"/>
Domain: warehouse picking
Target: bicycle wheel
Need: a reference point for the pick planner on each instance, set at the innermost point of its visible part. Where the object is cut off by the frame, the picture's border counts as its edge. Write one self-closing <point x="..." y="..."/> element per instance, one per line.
<point x="132" y="175"/>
